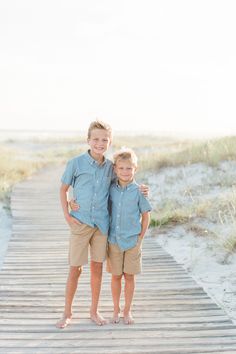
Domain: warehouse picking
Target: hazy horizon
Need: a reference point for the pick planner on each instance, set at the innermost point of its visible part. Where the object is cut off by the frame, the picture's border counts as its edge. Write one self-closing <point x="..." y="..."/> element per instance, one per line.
<point x="24" y="134"/>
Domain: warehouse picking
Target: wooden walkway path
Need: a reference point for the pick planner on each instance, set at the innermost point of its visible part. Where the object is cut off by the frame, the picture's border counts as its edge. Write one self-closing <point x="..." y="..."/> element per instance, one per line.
<point x="173" y="314"/>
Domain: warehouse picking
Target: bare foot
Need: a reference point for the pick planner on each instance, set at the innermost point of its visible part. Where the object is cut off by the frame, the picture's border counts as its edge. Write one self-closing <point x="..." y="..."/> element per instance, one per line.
<point x="128" y="318"/>
<point x="64" y="322"/>
<point x="98" y="319"/>
<point x="116" y="317"/>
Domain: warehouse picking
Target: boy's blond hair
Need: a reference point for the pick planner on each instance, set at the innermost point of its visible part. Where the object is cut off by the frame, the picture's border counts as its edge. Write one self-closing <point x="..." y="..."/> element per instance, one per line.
<point x="98" y="124"/>
<point x="125" y="154"/>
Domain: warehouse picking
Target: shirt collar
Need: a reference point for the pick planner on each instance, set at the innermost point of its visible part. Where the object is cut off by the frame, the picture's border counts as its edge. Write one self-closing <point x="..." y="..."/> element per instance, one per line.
<point x="92" y="161"/>
<point x="127" y="187"/>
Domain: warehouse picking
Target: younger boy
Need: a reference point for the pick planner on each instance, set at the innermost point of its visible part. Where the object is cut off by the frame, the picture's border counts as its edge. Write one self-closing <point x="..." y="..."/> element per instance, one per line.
<point x="126" y="231"/>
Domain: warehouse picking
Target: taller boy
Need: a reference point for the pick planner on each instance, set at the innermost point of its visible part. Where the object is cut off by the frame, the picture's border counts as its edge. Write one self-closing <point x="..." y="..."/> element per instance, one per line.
<point x="90" y="175"/>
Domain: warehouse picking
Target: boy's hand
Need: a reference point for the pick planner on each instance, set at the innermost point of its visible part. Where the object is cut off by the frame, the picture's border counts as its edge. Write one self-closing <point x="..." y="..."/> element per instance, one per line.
<point x="144" y="190"/>
<point x="70" y="220"/>
<point x="73" y="205"/>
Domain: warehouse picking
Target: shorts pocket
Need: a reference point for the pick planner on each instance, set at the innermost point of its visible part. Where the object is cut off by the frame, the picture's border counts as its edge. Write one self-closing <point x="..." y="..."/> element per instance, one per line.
<point x="140" y="241"/>
<point x="76" y="228"/>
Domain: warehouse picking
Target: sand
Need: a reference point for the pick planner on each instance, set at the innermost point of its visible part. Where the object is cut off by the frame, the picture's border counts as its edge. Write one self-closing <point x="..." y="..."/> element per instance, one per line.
<point x="198" y="243"/>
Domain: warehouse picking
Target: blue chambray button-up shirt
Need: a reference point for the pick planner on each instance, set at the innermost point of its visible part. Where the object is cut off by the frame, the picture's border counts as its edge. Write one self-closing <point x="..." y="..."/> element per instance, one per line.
<point x="91" y="182"/>
<point x="126" y="206"/>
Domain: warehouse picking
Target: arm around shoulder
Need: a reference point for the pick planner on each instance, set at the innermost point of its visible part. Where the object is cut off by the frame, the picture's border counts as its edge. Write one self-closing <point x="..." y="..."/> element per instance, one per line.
<point x="144" y="189"/>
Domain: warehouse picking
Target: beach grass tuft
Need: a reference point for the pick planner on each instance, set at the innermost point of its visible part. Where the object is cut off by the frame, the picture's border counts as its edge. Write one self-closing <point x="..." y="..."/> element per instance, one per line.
<point x="210" y="152"/>
<point x="14" y="167"/>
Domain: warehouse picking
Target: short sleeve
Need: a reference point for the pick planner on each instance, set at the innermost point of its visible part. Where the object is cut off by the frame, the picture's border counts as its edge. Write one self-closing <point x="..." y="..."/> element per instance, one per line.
<point x="69" y="173"/>
<point x="144" y="204"/>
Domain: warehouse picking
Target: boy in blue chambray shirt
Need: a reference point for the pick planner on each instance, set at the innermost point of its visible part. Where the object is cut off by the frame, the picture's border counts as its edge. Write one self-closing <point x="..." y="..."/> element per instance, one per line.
<point x="90" y="174"/>
<point x="126" y="232"/>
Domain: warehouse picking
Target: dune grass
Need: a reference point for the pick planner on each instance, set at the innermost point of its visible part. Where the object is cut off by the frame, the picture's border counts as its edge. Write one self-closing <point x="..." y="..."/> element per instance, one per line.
<point x="228" y="243"/>
<point x="14" y="168"/>
<point x="226" y="210"/>
<point x="172" y="213"/>
<point x="210" y="152"/>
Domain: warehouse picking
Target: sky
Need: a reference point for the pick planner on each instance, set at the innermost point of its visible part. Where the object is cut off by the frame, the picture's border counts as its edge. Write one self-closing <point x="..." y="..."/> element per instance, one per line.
<point x="140" y="65"/>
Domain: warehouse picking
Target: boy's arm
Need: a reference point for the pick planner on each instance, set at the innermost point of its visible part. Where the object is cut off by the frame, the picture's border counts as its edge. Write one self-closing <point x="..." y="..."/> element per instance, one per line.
<point x="64" y="203"/>
<point x="145" y="220"/>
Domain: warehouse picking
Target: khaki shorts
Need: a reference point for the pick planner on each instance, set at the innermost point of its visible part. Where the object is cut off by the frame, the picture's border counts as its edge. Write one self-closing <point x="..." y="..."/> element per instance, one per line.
<point x="119" y="262"/>
<point x="83" y="236"/>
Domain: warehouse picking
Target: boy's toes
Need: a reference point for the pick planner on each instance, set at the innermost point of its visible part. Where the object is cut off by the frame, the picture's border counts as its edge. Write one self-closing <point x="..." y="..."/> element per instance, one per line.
<point x="63" y="322"/>
<point x="98" y="319"/>
<point x="115" y="318"/>
<point x="128" y="319"/>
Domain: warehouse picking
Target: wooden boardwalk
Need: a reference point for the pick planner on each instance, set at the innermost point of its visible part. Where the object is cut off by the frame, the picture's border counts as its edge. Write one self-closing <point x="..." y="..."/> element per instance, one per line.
<point x="173" y="314"/>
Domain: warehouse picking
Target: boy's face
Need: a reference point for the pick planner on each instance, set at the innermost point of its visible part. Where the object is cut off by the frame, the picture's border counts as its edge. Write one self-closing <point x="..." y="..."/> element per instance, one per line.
<point x="125" y="171"/>
<point x="99" y="141"/>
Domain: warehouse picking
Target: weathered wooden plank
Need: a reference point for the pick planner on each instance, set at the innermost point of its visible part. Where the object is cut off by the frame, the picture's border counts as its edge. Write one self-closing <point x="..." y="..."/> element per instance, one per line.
<point x="183" y="318"/>
<point x="121" y="333"/>
<point x="116" y="342"/>
<point x="124" y="350"/>
<point x="206" y="313"/>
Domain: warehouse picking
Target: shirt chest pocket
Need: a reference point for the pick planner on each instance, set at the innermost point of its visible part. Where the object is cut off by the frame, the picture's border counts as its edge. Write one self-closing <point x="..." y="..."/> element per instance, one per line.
<point x="83" y="178"/>
<point x="132" y="207"/>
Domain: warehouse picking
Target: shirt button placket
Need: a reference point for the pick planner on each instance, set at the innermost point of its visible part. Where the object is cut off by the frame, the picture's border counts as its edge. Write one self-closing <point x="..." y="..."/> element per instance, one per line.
<point x="94" y="197"/>
<point x="118" y="215"/>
